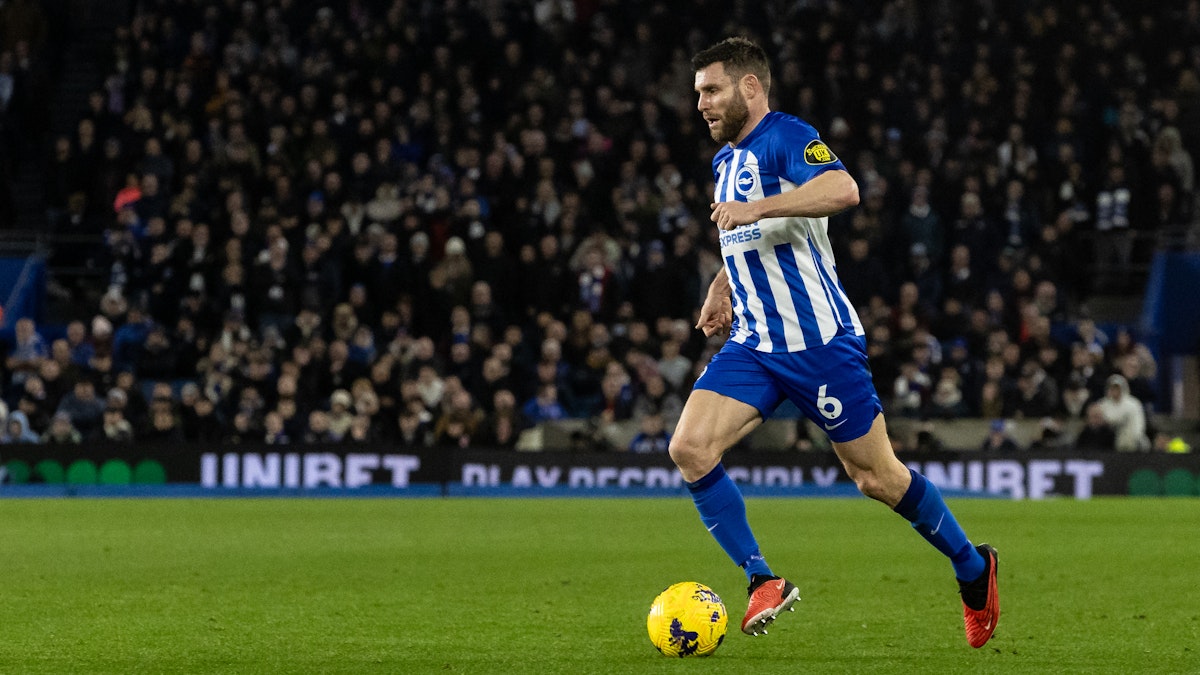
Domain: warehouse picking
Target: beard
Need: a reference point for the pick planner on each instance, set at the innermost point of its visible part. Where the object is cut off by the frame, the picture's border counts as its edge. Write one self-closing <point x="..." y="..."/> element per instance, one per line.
<point x="732" y="120"/>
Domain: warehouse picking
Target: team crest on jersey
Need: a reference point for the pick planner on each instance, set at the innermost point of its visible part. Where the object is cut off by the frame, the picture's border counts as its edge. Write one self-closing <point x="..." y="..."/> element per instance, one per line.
<point x="817" y="153"/>
<point x="745" y="181"/>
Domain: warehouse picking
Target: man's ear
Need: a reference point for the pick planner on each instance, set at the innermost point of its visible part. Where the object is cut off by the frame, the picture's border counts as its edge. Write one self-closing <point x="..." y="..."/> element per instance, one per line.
<point x="750" y="86"/>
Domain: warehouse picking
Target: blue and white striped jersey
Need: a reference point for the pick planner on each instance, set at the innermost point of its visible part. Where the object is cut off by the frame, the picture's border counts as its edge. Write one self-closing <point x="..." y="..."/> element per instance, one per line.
<point x="786" y="293"/>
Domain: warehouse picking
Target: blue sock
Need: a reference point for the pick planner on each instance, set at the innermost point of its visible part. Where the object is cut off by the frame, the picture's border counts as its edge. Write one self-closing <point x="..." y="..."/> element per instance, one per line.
<point x="924" y="507"/>
<point x="723" y="512"/>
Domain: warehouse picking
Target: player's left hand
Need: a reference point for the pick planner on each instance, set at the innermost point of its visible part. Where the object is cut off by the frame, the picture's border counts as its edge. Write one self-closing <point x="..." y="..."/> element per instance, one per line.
<point x="728" y="215"/>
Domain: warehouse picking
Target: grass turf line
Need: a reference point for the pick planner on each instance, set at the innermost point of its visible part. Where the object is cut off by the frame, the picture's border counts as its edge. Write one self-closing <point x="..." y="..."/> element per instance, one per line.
<point x="563" y="585"/>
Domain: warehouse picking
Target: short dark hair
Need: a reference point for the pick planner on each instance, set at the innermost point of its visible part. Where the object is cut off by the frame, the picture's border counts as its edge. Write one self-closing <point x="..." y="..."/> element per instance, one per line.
<point x="740" y="57"/>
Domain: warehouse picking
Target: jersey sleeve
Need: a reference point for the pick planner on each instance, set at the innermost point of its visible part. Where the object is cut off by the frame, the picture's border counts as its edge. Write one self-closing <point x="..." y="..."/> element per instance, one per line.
<point x="801" y="154"/>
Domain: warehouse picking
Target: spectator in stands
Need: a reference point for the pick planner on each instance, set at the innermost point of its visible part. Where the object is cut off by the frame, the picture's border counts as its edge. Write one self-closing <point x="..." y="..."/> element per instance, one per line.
<point x="79" y="344"/>
<point x="963" y="282"/>
<point x="366" y="404"/>
<point x="1050" y="436"/>
<point x="502" y="426"/>
<point x="546" y="279"/>
<point x="37" y="415"/>
<point x="454" y="272"/>
<point x="277" y="278"/>
<point x="1141" y="387"/>
<point x="454" y="430"/>
<point x="294" y="420"/>
<point x="925" y="276"/>
<point x="1114" y="243"/>
<point x="245" y="428"/>
<point x="673" y="366"/>
<point x="340" y="415"/>
<point x="615" y="403"/>
<point x="1170" y="185"/>
<point x="655" y="271"/>
<point x="484" y="309"/>
<point x="157" y="357"/>
<point x="459" y="417"/>
<point x="274" y="431"/>
<point x="926" y="440"/>
<point x="35" y="390"/>
<point x="26" y="353"/>
<point x="114" y="428"/>
<point x="921" y="224"/>
<point x="494" y="376"/>
<point x="362" y="431"/>
<point x="947" y="401"/>
<point x="317" y="430"/>
<point x="999" y="440"/>
<point x="862" y="272"/>
<point x="17" y="430"/>
<point x="1125" y="415"/>
<point x="1037" y="394"/>
<point x="412" y="433"/>
<point x="163" y="426"/>
<point x="65" y="369"/>
<point x="126" y="393"/>
<point x="61" y="431"/>
<point x="652" y="436"/>
<point x="596" y="283"/>
<point x="545" y="406"/>
<point x="129" y="339"/>
<point x="1076" y="396"/>
<point x="1096" y="434"/>
<point x="910" y="390"/>
<point x="360" y="186"/>
<point x="82" y="406"/>
<point x="1017" y="157"/>
<point x="462" y="363"/>
<point x="656" y="396"/>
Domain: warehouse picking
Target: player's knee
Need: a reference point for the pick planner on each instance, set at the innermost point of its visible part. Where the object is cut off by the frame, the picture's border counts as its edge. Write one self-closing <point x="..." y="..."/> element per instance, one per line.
<point x="870" y="483"/>
<point x="878" y="485"/>
<point x="690" y="453"/>
<point x="683" y="449"/>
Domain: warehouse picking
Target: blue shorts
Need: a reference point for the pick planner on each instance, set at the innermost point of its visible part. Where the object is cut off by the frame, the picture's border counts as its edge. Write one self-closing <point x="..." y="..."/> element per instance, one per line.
<point x="831" y="384"/>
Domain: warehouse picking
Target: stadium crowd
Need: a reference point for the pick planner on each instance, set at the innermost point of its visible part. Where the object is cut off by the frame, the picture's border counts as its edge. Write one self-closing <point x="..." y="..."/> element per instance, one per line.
<point x="440" y="223"/>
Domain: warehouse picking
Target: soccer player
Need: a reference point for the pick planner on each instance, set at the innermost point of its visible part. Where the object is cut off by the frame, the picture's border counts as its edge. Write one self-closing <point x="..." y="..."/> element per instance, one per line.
<point x="792" y="334"/>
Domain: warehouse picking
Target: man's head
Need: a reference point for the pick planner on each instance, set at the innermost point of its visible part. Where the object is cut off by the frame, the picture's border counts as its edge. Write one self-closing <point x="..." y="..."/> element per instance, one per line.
<point x="1116" y="387"/>
<point x="732" y="80"/>
<point x="25" y="329"/>
<point x="740" y="57"/>
<point x="85" y="389"/>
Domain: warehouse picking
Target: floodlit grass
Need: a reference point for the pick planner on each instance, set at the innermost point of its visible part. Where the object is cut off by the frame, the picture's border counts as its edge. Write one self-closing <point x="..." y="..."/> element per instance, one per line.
<point x="550" y="585"/>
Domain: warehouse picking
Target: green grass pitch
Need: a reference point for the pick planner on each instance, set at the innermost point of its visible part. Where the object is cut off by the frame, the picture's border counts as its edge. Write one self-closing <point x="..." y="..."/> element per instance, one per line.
<point x="563" y="585"/>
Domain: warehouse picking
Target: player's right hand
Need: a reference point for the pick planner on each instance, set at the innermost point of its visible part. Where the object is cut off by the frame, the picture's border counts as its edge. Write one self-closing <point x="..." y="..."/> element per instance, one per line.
<point x="730" y="215"/>
<point x="716" y="316"/>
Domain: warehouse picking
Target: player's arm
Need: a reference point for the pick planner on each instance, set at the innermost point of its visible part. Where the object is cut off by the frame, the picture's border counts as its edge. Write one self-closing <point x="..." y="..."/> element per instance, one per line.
<point x="829" y="192"/>
<point x="716" y="314"/>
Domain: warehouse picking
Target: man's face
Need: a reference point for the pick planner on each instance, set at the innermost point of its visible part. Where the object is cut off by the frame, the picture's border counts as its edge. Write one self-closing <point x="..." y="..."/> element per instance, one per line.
<point x="721" y="103"/>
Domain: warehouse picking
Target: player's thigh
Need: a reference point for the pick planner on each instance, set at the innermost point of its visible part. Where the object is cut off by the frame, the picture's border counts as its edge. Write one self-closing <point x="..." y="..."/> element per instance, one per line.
<point x="732" y="396"/>
<point x="710" y="424"/>
<point x="715" y="421"/>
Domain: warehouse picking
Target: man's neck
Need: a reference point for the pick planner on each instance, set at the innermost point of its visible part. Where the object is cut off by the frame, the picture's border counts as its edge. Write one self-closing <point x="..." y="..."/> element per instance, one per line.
<point x="749" y="127"/>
